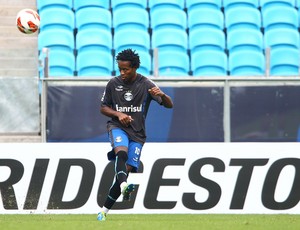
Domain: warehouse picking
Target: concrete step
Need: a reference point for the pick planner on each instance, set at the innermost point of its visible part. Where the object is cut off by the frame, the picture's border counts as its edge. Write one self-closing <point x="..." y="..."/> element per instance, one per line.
<point x="18" y="63"/>
<point x="18" y="52"/>
<point x="12" y="31"/>
<point x="16" y="43"/>
<point x="12" y="11"/>
<point x="20" y="138"/>
<point x="19" y="73"/>
<point x="20" y="3"/>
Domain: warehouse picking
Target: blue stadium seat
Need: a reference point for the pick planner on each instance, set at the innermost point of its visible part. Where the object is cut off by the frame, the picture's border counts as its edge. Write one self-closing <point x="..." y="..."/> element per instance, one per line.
<point x="173" y="63"/>
<point x="78" y="4"/>
<point x="117" y="4"/>
<point x="61" y="63"/>
<point x="94" y="63"/>
<point x="171" y="18"/>
<point x="135" y="39"/>
<point x="205" y="18"/>
<point x="245" y="39"/>
<point x="279" y="16"/>
<point x="193" y="4"/>
<point x="246" y="63"/>
<point x="170" y="39"/>
<point x="56" y="39"/>
<point x="209" y="63"/>
<point x="165" y="4"/>
<point x="130" y="18"/>
<point x="43" y="4"/>
<point x="56" y="18"/>
<point x="284" y="62"/>
<point x="269" y="3"/>
<point x="145" y="66"/>
<point x="94" y="39"/>
<point x="284" y="37"/>
<point x="207" y="39"/>
<point x="227" y="4"/>
<point x="93" y="17"/>
<point x="243" y="17"/>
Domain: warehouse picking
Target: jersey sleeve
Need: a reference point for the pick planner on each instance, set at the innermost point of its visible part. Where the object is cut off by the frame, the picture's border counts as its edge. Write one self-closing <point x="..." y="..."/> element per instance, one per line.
<point x="152" y="84"/>
<point x="106" y="99"/>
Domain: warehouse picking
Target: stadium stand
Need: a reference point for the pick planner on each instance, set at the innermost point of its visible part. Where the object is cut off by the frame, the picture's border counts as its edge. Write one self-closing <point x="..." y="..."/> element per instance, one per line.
<point x="209" y="63"/>
<point x="78" y="4"/>
<point x="210" y="17"/>
<point x="227" y="4"/>
<point x="130" y="18"/>
<point x="93" y="63"/>
<point x="246" y="63"/>
<point x="229" y="26"/>
<point x="46" y="4"/>
<point x="88" y="17"/>
<point x="117" y="4"/>
<point x="57" y="18"/>
<point x="193" y="4"/>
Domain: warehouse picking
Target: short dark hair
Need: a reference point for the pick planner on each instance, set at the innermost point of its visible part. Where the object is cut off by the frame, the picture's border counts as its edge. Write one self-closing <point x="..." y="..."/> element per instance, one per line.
<point x="129" y="55"/>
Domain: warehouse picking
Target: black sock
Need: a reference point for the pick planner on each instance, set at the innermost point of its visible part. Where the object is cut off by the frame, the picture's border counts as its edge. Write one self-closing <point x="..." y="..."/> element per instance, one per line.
<point x="113" y="195"/>
<point x="121" y="171"/>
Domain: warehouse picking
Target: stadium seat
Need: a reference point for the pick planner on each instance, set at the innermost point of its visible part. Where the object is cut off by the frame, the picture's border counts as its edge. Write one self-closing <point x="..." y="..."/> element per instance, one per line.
<point x="57" y="18"/>
<point x="136" y="39"/>
<point x="245" y="39"/>
<point x="165" y="4"/>
<point x="279" y="16"/>
<point x="282" y="37"/>
<point x="171" y="18"/>
<point x="61" y="63"/>
<point x="243" y="17"/>
<point x="43" y="4"/>
<point x="79" y="4"/>
<point x="130" y="18"/>
<point x="173" y="63"/>
<point x="207" y="39"/>
<point x="205" y="18"/>
<point x="284" y="62"/>
<point x="227" y="4"/>
<point x="145" y="66"/>
<point x="56" y="39"/>
<point x="193" y="4"/>
<point x="170" y="39"/>
<point x="269" y="3"/>
<point x="209" y="63"/>
<point x="94" y="63"/>
<point x="93" y="17"/>
<point x="246" y="63"/>
<point x="117" y="4"/>
<point x="94" y="39"/>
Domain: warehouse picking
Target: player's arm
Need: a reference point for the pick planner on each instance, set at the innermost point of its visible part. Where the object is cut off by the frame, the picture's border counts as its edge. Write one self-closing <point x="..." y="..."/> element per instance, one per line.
<point x="124" y="119"/>
<point x="166" y="99"/>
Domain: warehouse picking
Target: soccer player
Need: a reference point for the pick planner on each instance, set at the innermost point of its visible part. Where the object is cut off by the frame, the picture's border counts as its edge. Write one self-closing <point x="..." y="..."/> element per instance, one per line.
<point x="126" y="100"/>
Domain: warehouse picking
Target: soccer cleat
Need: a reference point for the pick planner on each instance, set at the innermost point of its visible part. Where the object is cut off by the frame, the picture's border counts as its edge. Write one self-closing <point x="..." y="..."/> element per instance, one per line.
<point x="101" y="216"/>
<point x="126" y="192"/>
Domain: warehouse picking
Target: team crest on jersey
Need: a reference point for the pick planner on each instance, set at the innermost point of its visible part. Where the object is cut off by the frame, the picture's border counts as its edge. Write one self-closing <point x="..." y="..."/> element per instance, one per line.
<point x="128" y="96"/>
<point x="119" y="88"/>
<point x="118" y="139"/>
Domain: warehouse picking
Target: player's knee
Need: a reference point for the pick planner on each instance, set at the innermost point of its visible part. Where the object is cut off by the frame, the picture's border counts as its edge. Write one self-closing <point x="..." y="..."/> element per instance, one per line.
<point x="122" y="155"/>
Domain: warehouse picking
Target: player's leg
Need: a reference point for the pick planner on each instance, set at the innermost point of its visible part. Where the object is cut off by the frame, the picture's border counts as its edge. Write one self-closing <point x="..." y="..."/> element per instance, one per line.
<point x="133" y="161"/>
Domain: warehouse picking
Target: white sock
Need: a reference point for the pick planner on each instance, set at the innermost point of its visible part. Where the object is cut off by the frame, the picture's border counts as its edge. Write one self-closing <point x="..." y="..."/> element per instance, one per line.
<point x="106" y="210"/>
<point x="123" y="185"/>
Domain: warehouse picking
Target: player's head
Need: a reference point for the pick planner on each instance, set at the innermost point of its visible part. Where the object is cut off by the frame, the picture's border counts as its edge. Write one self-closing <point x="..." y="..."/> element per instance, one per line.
<point x="131" y="56"/>
<point x="128" y="62"/>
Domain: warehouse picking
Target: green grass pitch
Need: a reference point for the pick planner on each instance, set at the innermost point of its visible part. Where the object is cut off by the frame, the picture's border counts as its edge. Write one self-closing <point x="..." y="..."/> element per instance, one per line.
<point x="153" y="222"/>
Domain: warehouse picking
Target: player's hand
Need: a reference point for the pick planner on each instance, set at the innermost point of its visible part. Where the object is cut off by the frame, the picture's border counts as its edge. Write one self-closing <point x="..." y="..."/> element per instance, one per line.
<point x="155" y="91"/>
<point x="125" y="119"/>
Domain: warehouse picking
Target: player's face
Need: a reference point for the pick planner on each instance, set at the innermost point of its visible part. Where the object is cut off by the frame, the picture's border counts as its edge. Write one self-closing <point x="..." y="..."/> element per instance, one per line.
<point x="128" y="73"/>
